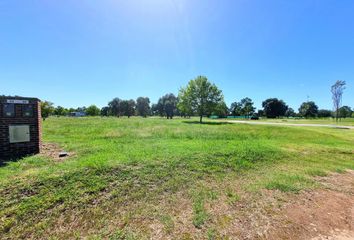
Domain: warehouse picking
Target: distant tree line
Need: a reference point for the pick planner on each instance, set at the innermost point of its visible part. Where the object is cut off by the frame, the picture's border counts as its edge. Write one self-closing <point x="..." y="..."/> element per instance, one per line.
<point x="203" y="98"/>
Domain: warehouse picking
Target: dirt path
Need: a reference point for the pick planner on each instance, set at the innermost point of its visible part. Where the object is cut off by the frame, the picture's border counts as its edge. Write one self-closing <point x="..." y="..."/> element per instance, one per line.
<point x="292" y="124"/>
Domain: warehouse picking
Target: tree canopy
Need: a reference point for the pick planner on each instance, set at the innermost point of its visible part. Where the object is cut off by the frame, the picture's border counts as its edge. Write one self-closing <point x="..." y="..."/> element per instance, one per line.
<point x="115" y="107"/>
<point x="236" y="109"/>
<point x="93" y="110"/>
<point x="47" y="109"/>
<point x="200" y="97"/>
<point x="143" y="106"/>
<point x="167" y="105"/>
<point x="290" y="113"/>
<point x="128" y="107"/>
<point x="345" y="112"/>
<point x="324" y="113"/>
<point x="105" y="111"/>
<point x="243" y="108"/>
<point x="203" y="98"/>
<point x="308" y="109"/>
<point x="274" y="108"/>
<point x="221" y="110"/>
<point x="60" y="111"/>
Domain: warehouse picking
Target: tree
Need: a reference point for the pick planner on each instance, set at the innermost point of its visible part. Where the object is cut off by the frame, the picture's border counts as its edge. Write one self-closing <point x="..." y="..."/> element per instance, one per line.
<point x="183" y="103"/>
<point x="247" y="108"/>
<point x="236" y="109"/>
<point x="243" y="108"/>
<point x="93" y="110"/>
<point x="337" y="93"/>
<point x="345" y="112"/>
<point x="105" y="111"/>
<point x="167" y="105"/>
<point x="260" y="113"/>
<point x="143" y="106"/>
<point x="128" y="107"/>
<point x="274" y="107"/>
<point x="60" y="111"/>
<point x="200" y="96"/>
<point x="81" y="109"/>
<point x="221" y="110"/>
<point x="324" y="113"/>
<point x="154" y="109"/>
<point x="170" y="105"/>
<point x="308" y="109"/>
<point x="46" y="109"/>
<point x="160" y="108"/>
<point x="115" y="107"/>
<point x="290" y="113"/>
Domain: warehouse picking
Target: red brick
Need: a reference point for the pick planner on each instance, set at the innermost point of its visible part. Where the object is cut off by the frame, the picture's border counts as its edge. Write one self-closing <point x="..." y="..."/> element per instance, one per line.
<point x="16" y="150"/>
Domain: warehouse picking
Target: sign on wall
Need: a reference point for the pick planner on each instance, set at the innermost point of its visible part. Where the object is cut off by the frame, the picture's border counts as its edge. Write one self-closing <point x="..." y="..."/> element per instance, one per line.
<point x="19" y="133"/>
<point x="16" y="101"/>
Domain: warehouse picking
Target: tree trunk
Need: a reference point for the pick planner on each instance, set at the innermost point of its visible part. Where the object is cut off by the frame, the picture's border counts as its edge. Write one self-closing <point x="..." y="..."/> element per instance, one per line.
<point x="201" y="119"/>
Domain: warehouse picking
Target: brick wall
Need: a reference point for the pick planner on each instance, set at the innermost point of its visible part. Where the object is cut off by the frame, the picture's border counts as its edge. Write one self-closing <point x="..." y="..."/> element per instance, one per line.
<point x="16" y="150"/>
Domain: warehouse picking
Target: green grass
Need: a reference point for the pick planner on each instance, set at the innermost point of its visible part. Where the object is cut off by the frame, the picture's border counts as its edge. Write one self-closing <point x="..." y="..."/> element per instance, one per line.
<point x="200" y="213"/>
<point x="126" y="173"/>
<point x="330" y="121"/>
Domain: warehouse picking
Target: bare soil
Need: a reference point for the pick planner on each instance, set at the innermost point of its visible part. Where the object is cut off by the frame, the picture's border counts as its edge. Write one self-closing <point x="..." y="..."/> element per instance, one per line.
<point x="52" y="151"/>
<point x="323" y="214"/>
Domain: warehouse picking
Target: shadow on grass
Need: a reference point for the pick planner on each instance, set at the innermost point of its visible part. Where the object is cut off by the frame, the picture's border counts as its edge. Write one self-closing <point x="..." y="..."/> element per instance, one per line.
<point x="6" y="161"/>
<point x="207" y="123"/>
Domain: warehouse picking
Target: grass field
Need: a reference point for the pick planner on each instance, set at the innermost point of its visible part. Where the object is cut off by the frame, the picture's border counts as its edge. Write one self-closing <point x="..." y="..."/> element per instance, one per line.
<point x="129" y="178"/>
<point x="330" y="121"/>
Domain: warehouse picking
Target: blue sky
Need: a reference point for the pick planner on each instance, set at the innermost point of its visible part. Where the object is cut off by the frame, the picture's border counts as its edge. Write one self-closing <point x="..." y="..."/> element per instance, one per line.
<point x="77" y="53"/>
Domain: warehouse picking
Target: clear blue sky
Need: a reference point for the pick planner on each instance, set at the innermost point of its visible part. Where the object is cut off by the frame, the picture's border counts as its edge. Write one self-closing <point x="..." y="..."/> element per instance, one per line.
<point x="77" y="53"/>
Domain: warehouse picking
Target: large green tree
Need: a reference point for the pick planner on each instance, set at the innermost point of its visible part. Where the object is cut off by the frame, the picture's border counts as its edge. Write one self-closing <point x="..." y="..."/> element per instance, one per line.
<point x="322" y="113"/>
<point x="115" y="107"/>
<point x="345" y="112"/>
<point x="290" y="113"/>
<point x="247" y="107"/>
<point x="128" y="107"/>
<point x="155" y="109"/>
<point x="167" y="106"/>
<point x="60" y="111"/>
<point x="274" y="107"/>
<point x="308" y="109"/>
<point x="105" y="111"/>
<point x="143" y="106"/>
<point x="93" y="110"/>
<point x="243" y="108"/>
<point x="200" y="97"/>
<point x="236" y="109"/>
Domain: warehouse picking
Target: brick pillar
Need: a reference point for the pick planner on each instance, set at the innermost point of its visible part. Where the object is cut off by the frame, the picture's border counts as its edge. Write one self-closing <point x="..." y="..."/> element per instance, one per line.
<point x="18" y="149"/>
<point x="39" y="126"/>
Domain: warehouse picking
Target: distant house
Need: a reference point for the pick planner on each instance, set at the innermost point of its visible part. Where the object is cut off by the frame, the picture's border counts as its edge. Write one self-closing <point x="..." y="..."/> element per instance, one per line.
<point x="77" y="114"/>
